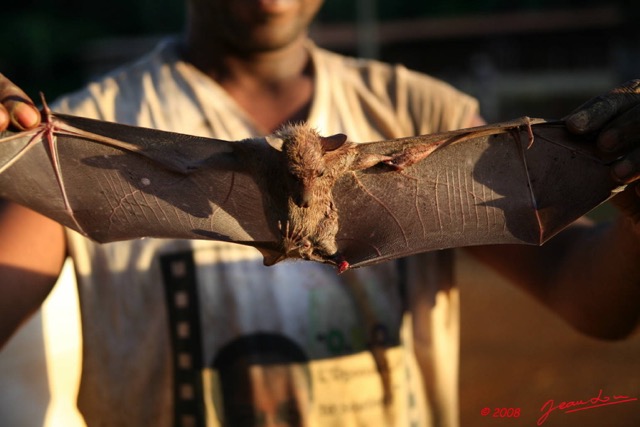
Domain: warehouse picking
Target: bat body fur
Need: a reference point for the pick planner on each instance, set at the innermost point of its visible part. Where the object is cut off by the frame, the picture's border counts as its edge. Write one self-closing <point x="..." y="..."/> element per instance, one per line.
<point x="313" y="165"/>
<point x="311" y="226"/>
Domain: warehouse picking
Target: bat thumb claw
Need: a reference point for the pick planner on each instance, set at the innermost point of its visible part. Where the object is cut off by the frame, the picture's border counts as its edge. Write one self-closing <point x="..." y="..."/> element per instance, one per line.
<point x="343" y="266"/>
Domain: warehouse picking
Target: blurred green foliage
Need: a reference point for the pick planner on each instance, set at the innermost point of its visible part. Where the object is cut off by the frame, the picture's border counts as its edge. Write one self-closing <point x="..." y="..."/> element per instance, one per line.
<point x="43" y="40"/>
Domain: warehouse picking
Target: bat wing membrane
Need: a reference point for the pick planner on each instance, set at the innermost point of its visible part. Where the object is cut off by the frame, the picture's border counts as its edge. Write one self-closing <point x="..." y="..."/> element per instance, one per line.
<point x="485" y="186"/>
<point x="125" y="182"/>
<point x="489" y="189"/>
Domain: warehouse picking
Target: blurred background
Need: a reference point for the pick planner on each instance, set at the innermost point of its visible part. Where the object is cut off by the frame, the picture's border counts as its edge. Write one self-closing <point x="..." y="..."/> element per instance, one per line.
<point x="540" y="58"/>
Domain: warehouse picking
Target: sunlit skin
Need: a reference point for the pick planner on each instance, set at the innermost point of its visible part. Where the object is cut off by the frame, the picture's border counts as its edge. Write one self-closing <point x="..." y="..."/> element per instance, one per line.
<point x="250" y="26"/>
<point x="256" y="51"/>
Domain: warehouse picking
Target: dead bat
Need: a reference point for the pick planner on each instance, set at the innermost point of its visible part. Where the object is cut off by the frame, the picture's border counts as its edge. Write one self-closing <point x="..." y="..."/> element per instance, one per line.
<point x="296" y="194"/>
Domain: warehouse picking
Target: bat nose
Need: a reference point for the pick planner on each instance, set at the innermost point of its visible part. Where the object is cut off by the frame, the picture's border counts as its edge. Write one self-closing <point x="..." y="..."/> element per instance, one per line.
<point x="304" y="198"/>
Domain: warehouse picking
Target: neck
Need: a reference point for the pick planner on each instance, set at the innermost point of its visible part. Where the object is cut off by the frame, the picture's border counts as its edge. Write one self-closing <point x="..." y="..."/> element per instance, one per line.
<point x="273" y="87"/>
<point x="225" y="64"/>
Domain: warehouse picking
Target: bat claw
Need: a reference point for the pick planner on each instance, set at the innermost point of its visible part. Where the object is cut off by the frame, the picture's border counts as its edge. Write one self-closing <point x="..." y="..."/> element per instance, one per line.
<point x="393" y="165"/>
<point x="341" y="264"/>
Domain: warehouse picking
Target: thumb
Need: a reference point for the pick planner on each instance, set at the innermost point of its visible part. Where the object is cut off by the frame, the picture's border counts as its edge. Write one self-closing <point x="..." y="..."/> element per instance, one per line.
<point x="21" y="111"/>
<point x="593" y="114"/>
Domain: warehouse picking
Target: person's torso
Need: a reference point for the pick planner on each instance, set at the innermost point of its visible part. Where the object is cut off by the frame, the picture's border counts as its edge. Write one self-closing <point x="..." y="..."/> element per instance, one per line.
<point x="183" y="332"/>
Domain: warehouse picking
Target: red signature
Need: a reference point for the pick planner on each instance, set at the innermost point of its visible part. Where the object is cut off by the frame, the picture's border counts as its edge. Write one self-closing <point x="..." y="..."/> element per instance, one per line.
<point x="580" y="405"/>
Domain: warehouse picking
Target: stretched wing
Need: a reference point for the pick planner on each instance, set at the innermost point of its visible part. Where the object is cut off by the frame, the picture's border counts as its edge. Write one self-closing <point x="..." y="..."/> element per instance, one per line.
<point x="113" y="182"/>
<point x="492" y="185"/>
<point x="484" y="186"/>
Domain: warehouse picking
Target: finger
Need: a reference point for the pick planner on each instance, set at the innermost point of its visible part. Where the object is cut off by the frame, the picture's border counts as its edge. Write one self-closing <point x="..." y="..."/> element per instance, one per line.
<point x="593" y="114"/>
<point x="627" y="170"/>
<point x="23" y="113"/>
<point x="622" y="133"/>
<point x="4" y="118"/>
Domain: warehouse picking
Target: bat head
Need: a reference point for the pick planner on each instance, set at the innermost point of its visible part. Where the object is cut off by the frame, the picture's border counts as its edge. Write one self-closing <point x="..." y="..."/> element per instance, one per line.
<point x="305" y="151"/>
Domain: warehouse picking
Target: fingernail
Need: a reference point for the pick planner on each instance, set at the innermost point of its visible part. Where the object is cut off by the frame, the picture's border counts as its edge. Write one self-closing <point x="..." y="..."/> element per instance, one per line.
<point x="623" y="170"/>
<point x="579" y="121"/>
<point x="25" y="116"/>
<point x="608" y="140"/>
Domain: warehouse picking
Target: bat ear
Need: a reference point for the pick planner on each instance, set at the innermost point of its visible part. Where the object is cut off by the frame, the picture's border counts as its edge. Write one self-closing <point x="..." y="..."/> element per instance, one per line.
<point x="275" y="141"/>
<point x="333" y="142"/>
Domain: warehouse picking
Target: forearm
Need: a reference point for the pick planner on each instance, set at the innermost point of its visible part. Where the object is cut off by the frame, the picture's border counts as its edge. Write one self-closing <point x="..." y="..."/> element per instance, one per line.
<point x="21" y="294"/>
<point x="597" y="285"/>
<point x="589" y="275"/>
<point x="32" y="251"/>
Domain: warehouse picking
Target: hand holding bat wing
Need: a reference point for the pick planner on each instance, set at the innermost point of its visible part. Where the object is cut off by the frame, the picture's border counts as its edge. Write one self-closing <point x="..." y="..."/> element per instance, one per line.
<point x="616" y="117"/>
<point x="299" y="195"/>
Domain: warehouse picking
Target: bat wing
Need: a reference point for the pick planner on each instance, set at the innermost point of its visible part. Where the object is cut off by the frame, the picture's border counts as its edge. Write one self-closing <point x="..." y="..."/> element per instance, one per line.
<point x="114" y="182"/>
<point x="491" y="185"/>
<point x="484" y="188"/>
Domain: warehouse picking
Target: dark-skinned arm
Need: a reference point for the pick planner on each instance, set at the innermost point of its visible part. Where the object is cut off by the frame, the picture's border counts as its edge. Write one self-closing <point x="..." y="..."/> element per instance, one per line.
<point x="32" y="247"/>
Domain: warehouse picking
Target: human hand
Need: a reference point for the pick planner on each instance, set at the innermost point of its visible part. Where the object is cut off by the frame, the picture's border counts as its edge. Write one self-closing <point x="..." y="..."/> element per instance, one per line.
<point x="16" y="108"/>
<point x="615" y="117"/>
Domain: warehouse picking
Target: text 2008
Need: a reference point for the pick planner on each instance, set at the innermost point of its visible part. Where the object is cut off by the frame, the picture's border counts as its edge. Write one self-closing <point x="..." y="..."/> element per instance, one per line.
<point x="506" y="412"/>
